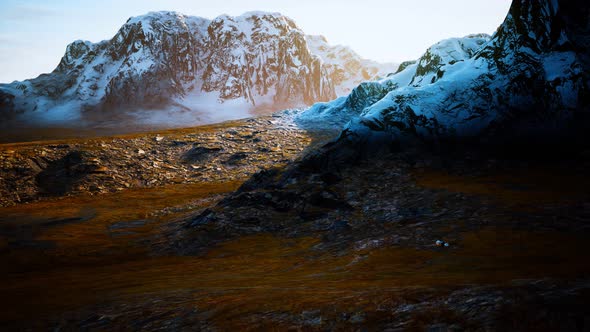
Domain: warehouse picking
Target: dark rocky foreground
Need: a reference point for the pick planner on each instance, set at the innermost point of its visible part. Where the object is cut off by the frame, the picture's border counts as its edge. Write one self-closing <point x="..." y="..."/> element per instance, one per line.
<point x="328" y="239"/>
<point x="229" y="151"/>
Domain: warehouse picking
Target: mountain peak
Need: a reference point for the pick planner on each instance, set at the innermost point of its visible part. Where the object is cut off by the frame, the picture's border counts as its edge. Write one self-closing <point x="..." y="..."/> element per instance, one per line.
<point x="169" y="61"/>
<point x="262" y="13"/>
<point x="159" y="15"/>
<point x="529" y="81"/>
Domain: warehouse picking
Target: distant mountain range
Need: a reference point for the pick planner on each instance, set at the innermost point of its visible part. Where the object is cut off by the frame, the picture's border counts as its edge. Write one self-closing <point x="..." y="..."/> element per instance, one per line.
<point x="192" y="68"/>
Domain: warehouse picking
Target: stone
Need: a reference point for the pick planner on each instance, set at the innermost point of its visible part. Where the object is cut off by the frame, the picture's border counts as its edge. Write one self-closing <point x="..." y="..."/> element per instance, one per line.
<point x="236" y="158"/>
<point x="101" y="169"/>
<point x="200" y="154"/>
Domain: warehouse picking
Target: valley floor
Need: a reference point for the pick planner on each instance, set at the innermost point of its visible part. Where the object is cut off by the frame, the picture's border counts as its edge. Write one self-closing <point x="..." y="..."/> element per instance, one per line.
<point x="109" y="234"/>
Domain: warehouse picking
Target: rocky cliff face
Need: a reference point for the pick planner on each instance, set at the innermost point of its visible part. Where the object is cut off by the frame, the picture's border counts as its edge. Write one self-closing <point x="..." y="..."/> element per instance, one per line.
<point x="345" y="67"/>
<point x="267" y="55"/>
<point x="411" y="74"/>
<point x="151" y="60"/>
<point x="529" y="80"/>
<point x="166" y="60"/>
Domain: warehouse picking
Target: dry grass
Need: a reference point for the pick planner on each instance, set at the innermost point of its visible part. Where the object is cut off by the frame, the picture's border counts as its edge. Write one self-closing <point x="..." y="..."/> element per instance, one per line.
<point x="88" y="238"/>
<point x="264" y="273"/>
<point x="534" y="185"/>
<point x="35" y="136"/>
<point x="260" y="274"/>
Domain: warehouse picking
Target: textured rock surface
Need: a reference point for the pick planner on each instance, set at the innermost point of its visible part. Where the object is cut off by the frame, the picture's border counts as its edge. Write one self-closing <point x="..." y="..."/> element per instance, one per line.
<point x="229" y="151"/>
<point x="529" y="80"/>
<point x="345" y="67"/>
<point x="411" y="74"/>
<point x="166" y="60"/>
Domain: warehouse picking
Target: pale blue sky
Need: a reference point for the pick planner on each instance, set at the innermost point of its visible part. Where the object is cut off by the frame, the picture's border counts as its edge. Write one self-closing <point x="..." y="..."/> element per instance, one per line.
<point x="34" y="33"/>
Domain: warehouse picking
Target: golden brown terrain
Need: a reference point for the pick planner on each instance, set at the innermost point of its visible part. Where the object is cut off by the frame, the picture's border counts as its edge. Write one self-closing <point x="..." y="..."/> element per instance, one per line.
<point x="355" y="251"/>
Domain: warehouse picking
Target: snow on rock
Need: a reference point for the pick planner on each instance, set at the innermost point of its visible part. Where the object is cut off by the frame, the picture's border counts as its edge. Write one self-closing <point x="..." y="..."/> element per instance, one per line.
<point x="531" y="79"/>
<point x="426" y="70"/>
<point x="184" y="67"/>
<point x="345" y="67"/>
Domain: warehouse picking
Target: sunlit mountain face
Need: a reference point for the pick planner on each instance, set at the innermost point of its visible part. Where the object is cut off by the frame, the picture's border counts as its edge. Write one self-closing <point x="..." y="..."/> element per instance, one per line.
<point x="237" y="173"/>
<point x="165" y="68"/>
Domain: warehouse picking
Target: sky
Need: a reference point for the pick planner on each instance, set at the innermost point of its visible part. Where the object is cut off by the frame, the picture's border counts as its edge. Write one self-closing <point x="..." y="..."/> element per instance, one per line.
<point x="35" y="33"/>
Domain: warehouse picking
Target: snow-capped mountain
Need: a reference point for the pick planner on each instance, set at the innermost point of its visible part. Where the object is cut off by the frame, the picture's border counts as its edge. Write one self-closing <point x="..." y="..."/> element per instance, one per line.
<point x="345" y="67"/>
<point x="190" y="65"/>
<point x="530" y="79"/>
<point x="428" y="69"/>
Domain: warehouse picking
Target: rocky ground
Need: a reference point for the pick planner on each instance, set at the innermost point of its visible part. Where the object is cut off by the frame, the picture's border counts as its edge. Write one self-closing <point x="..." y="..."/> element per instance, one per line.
<point x="414" y="240"/>
<point x="229" y="151"/>
<point x="403" y="199"/>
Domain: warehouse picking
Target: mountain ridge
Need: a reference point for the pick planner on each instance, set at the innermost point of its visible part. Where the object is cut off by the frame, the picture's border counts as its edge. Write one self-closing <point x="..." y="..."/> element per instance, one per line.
<point x="167" y="60"/>
<point x="528" y="81"/>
